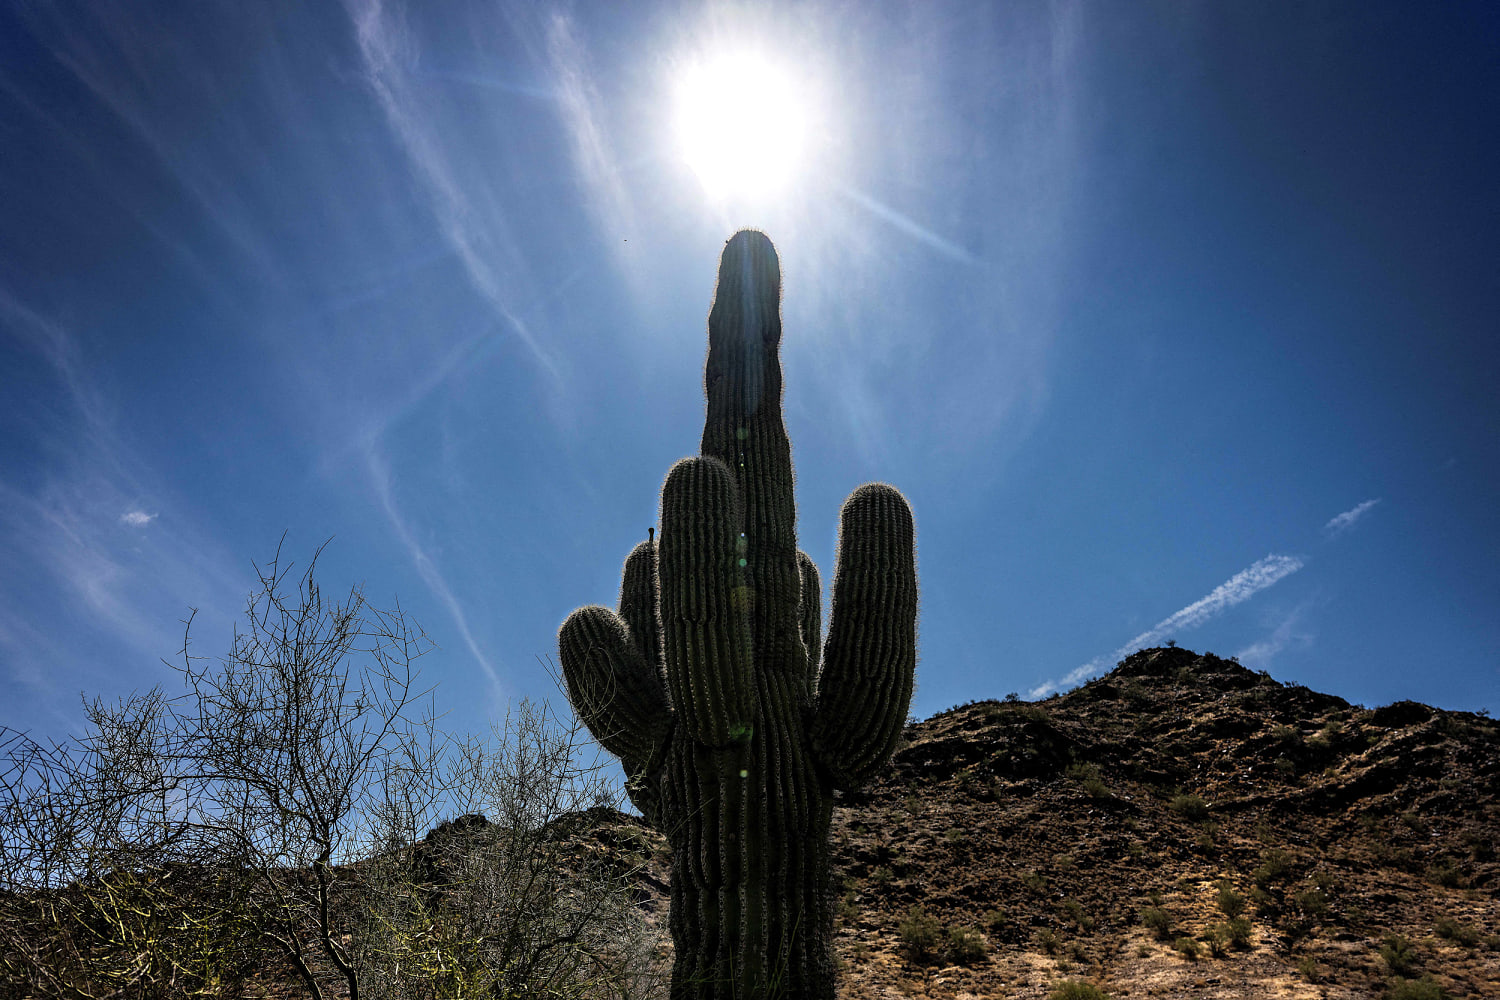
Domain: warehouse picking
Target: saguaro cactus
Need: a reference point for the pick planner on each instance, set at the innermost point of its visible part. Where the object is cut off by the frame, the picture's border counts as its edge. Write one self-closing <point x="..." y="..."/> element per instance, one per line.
<point x="707" y="682"/>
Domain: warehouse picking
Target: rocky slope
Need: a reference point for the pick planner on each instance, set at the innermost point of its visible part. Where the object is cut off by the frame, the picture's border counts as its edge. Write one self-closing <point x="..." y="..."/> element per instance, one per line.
<point x="1107" y="834"/>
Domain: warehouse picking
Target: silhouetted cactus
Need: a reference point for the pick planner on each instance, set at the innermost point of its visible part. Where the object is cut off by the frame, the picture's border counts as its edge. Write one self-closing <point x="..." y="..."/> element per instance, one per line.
<point x="707" y="683"/>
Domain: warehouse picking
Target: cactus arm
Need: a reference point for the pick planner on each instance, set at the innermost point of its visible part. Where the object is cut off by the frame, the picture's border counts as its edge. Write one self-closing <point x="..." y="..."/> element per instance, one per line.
<point x="640" y="602"/>
<point x="744" y="430"/>
<point x="869" y="660"/>
<point x="707" y="638"/>
<point x="811" y="612"/>
<point x="616" y="693"/>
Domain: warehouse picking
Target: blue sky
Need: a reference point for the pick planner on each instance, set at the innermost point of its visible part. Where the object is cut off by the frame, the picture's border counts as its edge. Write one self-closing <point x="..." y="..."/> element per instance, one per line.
<point x="1171" y="320"/>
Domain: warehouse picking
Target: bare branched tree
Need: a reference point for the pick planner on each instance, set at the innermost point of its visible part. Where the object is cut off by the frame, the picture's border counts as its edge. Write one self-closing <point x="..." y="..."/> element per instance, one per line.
<point x="532" y="891"/>
<point x="277" y="804"/>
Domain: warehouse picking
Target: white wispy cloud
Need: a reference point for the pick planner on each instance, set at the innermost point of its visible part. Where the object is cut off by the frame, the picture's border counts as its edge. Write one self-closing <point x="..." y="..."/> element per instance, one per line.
<point x="62" y="540"/>
<point x="379" y="472"/>
<point x="473" y="234"/>
<point x="1287" y="633"/>
<point x="584" y="112"/>
<point x="909" y="226"/>
<point x="1236" y="590"/>
<point x="1343" y="522"/>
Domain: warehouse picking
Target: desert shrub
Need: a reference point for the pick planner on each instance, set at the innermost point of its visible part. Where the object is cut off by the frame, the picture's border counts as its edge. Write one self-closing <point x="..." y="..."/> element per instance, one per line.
<point x="919" y="932"/>
<point x="1218" y="940"/>
<point x="1414" y="822"/>
<point x="1275" y="865"/>
<point x="966" y="945"/>
<point x="1231" y="903"/>
<point x="1312" y="902"/>
<point x="1035" y="882"/>
<point x="1307" y="968"/>
<point x="1238" y="929"/>
<point x="1074" y="989"/>
<point x="1190" y="807"/>
<point x="1398" y="954"/>
<point x="1158" y="921"/>
<point x="1076" y="913"/>
<point x="1090" y="780"/>
<point x="1425" y="988"/>
<point x="1046" y="939"/>
<point x="1444" y="873"/>
<point x="954" y="835"/>
<point x="847" y="911"/>
<point x="995" y="921"/>
<point x="1456" y="931"/>
<point x="1188" y="948"/>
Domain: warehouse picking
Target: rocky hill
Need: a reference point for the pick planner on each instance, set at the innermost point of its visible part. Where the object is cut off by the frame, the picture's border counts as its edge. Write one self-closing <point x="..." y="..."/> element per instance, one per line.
<point x="1181" y="827"/>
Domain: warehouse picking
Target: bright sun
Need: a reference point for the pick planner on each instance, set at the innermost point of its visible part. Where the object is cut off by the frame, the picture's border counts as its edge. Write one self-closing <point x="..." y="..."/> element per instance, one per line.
<point x="741" y="125"/>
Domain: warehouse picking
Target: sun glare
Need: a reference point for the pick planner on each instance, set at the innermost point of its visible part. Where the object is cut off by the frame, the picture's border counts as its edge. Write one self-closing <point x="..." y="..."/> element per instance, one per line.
<point x="741" y="125"/>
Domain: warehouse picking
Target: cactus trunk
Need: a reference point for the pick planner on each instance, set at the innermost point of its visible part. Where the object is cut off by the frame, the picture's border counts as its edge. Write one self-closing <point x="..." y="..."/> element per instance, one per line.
<point x="734" y="720"/>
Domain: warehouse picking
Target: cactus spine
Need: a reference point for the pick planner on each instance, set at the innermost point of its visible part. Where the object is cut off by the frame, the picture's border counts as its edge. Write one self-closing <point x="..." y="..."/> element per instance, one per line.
<point x="708" y="683"/>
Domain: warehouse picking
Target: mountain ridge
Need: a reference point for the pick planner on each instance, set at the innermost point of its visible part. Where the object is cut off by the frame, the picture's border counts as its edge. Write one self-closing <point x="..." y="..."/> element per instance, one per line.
<point x="1049" y="829"/>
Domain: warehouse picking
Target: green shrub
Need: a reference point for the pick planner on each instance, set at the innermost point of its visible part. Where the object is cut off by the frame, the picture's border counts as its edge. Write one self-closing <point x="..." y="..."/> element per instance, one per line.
<point x="1046" y="939"/>
<point x="995" y="921"/>
<point x="1089" y="778"/>
<point x="847" y="911"/>
<point x="966" y="945"/>
<point x="1425" y="988"/>
<point x="1275" y="865"/>
<point x="1190" y="807"/>
<point x="1075" y="911"/>
<point x="1073" y="989"/>
<point x="1444" y="873"/>
<point x="1095" y="788"/>
<point x="919" y="932"/>
<point x="1238" y="929"/>
<point x="1398" y="954"/>
<point x="1158" y="921"/>
<point x="1414" y="822"/>
<point x="1231" y="903"/>
<point x="1457" y="932"/>
<point x="1307" y="968"/>
<point x="1312" y="902"/>
<point x="1188" y="948"/>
